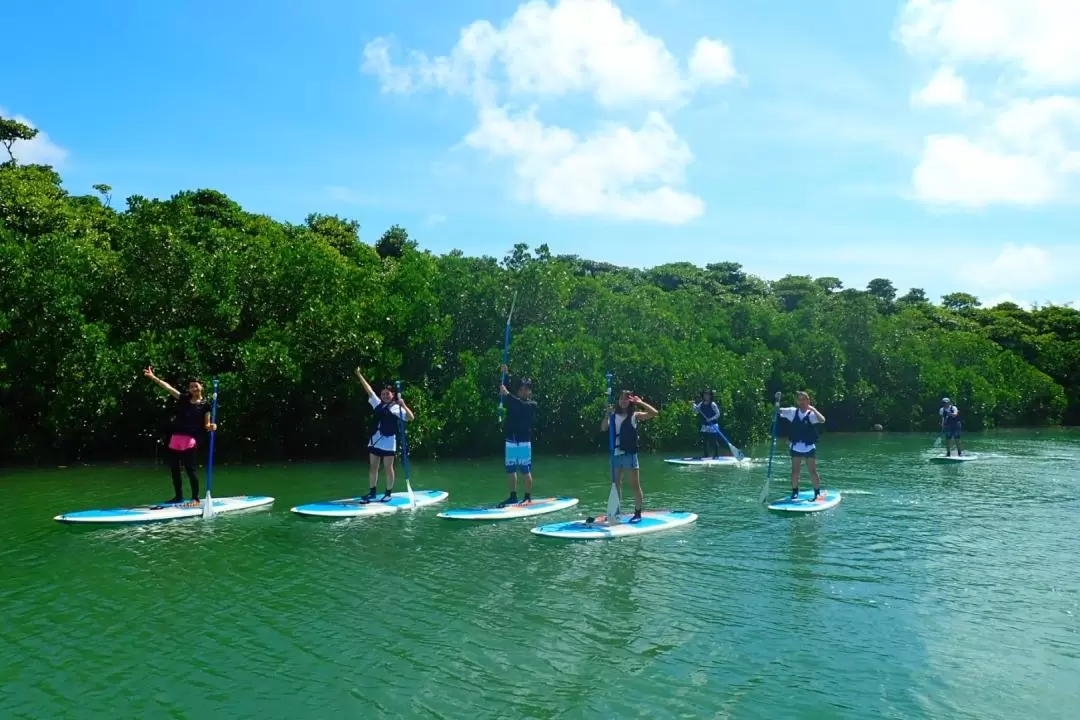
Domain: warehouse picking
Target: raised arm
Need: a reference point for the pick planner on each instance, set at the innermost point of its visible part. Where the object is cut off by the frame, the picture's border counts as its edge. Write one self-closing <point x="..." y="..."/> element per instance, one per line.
<point x="367" y="386"/>
<point x="650" y="411"/>
<point x="817" y="414"/>
<point x="149" y="372"/>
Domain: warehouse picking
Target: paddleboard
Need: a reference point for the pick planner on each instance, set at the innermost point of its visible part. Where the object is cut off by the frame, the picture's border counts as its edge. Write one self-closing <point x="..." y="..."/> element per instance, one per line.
<point x="538" y="506"/>
<point x="355" y="507"/>
<point x="703" y="462"/>
<point x="806" y="502"/>
<point x="651" y="521"/>
<point x="953" y="458"/>
<point x="165" y="511"/>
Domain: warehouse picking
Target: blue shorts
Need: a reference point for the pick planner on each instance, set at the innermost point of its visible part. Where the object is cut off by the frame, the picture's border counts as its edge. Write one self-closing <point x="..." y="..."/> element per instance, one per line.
<point x="627" y="461"/>
<point x="518" y="457"/>
<point x="952" y="431"/>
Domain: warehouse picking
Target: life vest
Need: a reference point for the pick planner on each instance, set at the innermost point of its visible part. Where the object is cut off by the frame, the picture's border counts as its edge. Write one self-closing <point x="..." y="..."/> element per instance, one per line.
<point x="386" y="422"/>
<point x="951" y="415"/>
<point x="626" y="437"/>
<point x="802" y="430"/>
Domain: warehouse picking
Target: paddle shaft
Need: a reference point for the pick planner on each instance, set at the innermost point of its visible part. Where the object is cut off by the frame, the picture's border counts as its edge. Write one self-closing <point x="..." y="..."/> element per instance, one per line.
<point x="210" y="458"/>
<point x="404" y="444"/>
<point x="772" y="449"/>
<point x="506" y="350"/>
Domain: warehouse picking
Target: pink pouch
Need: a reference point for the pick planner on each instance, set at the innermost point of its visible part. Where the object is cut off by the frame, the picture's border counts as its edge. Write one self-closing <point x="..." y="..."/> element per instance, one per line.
<point x="180" y="443"/>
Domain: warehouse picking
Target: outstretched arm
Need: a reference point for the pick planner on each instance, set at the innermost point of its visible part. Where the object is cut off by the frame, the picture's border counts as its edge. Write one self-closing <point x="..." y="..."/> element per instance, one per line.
<point x="149" y="372"/>
<point x="367" y="386"/>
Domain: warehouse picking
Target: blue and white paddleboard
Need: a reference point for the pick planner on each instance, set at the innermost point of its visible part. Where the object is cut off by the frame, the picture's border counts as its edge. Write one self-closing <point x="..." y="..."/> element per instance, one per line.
<point x="537" y="506"/>
<point x="806" y="502"/>
<point x="165" y="511"/>
<point x="651" y="521"/>
<point x="703" y="462"/>
<point x="356" y="507"/>
<point x="953" y="458"/>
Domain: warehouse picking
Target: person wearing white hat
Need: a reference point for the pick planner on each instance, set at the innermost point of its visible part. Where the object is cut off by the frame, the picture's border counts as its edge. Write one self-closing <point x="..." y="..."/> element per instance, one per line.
<point x="950" y="426"/>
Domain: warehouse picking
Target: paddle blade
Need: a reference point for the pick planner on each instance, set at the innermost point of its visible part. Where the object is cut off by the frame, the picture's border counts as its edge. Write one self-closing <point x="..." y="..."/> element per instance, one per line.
<point x="613" y="505"/>
<point x="412" y="498"/>
<point x="208" y="506"/>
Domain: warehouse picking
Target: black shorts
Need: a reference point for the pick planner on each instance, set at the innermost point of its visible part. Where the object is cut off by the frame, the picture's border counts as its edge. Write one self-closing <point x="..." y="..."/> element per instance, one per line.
<point x="807" y="454"/>
<point x="378" y="452"/>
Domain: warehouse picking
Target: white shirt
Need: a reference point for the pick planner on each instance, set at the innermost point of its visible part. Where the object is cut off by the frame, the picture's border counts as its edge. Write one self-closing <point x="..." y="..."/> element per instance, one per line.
<point x="794" y="415"/>
<point x="619" y="419"/>
<point x="382" y="442"/>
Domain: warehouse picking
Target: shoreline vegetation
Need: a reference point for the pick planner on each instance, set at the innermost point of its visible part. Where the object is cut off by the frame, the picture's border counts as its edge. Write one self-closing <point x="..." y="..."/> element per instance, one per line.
<point x="281" y="313"/>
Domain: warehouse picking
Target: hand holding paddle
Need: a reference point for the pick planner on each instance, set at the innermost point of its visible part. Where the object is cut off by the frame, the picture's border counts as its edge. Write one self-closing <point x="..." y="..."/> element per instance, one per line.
<point x="772" y="447"/>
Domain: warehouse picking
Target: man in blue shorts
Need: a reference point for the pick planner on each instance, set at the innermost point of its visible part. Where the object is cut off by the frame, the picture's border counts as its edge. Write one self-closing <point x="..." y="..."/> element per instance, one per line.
<point x="950" y="427"/>
<point x="520" y="415"/>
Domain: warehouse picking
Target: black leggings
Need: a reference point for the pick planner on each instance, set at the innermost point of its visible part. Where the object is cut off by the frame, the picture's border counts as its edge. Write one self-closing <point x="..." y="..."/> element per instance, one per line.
<point x="187" y="459"/>
<point x="710" y="442"/>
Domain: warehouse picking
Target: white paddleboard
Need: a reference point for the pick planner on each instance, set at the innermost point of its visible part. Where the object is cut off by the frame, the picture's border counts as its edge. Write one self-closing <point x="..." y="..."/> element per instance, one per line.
<point x="703" y="462"/>
<point x="953" y="458"/>
<point x="806" y="502"/>
<point x="537" y="506"/>
<point x="651" y="521"/>
<point x="356" y="507"/>
<point x="165" y="511"/>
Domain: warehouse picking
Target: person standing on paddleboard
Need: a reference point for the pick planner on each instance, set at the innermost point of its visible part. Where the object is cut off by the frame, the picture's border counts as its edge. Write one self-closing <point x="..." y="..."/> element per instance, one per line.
<point x="950" y="427"/>
<point x="520" y="414"/>
<point x="625" y="461"/>
<point x="710" y="414"/>
<point x="191" y="414"/>
<point x="803" y="437"/>
<point x="382" y="447"/>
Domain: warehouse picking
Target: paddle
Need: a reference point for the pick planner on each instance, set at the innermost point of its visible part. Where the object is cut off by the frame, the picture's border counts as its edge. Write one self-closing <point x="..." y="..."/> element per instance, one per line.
<point x="772" y="447"/>
<point x="735" y="452"/>
<point x="404" y="449"/>
<point x="208" y="501"/>
<point x="613" y="496"/>
<point x="506" y="352"/>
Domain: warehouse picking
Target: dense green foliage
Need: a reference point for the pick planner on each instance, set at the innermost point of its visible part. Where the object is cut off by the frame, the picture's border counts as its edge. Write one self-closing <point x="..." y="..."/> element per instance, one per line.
<point x="282" y="313"/>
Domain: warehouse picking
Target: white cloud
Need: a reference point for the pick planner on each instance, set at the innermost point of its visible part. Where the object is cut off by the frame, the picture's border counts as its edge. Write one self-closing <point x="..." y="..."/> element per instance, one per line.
<point x="572" y="46"/>
<point x="1038" y="37"/>
<point x="435" y="219"/>
<point x="41" y="150"/>
<point x="712" y="62"/>
<point x="944" y="88"/>
<point x="1026" y="150"/>
<point x="1024" y="267"/>
<point x="615" y="172"/>
<point x="1007" y="298"/>
<point x="955" y="171"/>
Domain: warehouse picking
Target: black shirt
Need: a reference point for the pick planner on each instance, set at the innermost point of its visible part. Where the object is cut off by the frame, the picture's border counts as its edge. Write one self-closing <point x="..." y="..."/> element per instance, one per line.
<point x="519" y="419"/>
<point x="189" y="416"/>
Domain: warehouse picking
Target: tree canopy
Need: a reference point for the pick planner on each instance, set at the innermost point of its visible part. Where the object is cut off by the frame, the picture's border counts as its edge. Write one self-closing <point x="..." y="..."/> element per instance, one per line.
<point x="282" y="313"/>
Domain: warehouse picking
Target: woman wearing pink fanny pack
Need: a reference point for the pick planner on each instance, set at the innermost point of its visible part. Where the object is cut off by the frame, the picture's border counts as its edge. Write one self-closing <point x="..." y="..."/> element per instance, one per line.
<point x="192" y="415"/>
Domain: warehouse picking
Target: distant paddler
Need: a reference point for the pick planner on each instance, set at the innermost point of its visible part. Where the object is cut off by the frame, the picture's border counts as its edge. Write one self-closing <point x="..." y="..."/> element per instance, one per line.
<point x="389" y="407"/>
<point x="520" y="416"/>
<point x="191" y="415"/>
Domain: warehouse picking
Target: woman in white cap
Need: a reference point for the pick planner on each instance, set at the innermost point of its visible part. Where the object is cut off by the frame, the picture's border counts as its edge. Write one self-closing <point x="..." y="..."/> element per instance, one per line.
<point x="950" y="426"/>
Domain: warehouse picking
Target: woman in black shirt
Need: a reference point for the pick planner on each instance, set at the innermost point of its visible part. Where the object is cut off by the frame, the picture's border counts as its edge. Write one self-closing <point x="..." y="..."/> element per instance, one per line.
<point x="192" y="414"/>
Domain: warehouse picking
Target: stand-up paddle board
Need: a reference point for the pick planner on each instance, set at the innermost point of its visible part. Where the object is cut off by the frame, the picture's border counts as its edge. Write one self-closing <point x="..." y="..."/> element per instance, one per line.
<point x="165" y="511"/>
<point x="651" y="521"/>
<point x="538" y="506"/>
<point x="953" y="458"/>
<point x="703" y="462"/>
<point x="806" y="502"/>
<point x="356" y="507"/>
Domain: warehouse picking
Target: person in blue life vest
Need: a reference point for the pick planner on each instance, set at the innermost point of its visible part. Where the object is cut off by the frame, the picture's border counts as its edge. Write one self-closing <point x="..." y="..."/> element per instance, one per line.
<point x="389" y="407"/>
<point x="950" y="427"/>
<point x="710" y="414"/>
<point x="627" y="416"/>
<point x="520" y="415"/>
<point x="802" y="438"/>
<point x="191" y="416"/>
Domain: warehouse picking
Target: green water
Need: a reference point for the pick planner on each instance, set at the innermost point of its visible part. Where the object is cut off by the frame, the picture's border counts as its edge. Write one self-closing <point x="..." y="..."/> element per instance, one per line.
<point x="930" y="592"/>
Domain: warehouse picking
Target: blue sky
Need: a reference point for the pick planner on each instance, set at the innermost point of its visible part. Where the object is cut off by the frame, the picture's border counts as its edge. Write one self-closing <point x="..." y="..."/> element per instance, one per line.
<point x="923" y="141"/>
